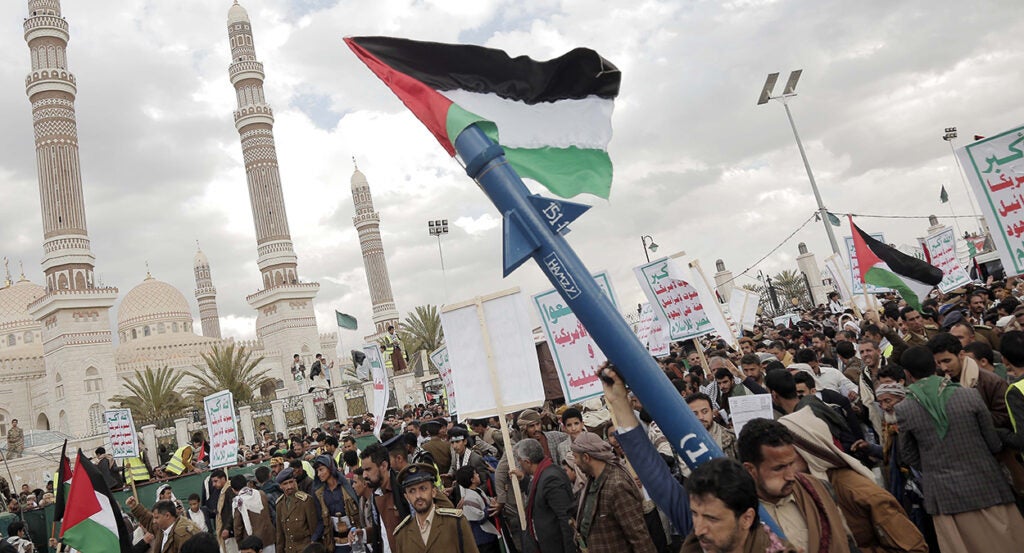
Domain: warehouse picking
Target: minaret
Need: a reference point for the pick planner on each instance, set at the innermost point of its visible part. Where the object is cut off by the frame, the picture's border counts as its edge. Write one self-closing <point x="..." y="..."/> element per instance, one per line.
<point x="74" y="312"/>
<point x="286" y="322"/>
<point x="367" y="223"/>
<point x="206" y="296"/>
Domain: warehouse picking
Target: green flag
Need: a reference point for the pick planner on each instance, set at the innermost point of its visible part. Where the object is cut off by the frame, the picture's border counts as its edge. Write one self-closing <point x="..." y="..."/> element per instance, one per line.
<point x="346" y="321"/>
<point x="943" y="195"/>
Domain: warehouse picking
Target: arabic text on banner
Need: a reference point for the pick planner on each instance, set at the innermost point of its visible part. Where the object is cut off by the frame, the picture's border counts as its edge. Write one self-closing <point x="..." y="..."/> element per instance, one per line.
<point x="381" y="390"/>
<point x="675" y="301"/>
<point x="514" y="353"/>
<point x="223" y="429"/>
<point x="941" y="248"/>
<point x="124" y="441"/>
<point x="856" y="284"/>
<point x="995" y="168"/>
<point x="653" y="331"/>
<point x="440" y="359"/>
<point x="574" y="351"/>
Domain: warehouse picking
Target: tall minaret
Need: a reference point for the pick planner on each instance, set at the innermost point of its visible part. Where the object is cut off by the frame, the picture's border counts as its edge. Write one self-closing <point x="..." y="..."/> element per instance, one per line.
<point x="206" y="296"/>
<point x="74" y="312"/>
<point x="367" y="223"/>
<point x="286" y="322"/>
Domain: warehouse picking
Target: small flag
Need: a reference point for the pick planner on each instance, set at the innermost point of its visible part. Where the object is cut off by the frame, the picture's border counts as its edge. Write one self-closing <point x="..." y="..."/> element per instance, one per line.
<point x="346" y="321"/>
<point x="833" y="219"/>
<point x="92" y="520"/>
<point x="978" y="137"/>
<point x="553" y="117"/>
<point x="62" y="482"/>
<point x="943" y="195"/>
<point x="887" y="267"/>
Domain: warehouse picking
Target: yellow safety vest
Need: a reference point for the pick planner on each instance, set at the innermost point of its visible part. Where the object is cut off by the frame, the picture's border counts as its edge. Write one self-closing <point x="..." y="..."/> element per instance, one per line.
<point x="309" y="469"/>
<point x="1019" y="385"/>
<point x="136" y="469"/>
<point x="176" y="465"/>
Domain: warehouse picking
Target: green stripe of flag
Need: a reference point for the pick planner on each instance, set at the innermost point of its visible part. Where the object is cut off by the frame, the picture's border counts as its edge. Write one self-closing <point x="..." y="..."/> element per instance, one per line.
<point x="887" y="279"/>
<point x="566" y="171"/>
<point x="91" y="536"/>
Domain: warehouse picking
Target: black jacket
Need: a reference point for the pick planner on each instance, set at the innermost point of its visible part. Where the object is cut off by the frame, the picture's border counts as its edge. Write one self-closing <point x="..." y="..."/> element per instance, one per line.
<point x="551" y="510"/>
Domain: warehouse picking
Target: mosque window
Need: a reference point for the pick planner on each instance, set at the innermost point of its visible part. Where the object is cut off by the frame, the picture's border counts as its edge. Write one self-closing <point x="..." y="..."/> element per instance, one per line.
<point x="27" y="338"/>
<point x="146" y="331"/>
<point x="3" y="422"/>
<point x="96" y="425"/>
<point x="11" y="340"/>
<point x="93" y="380"/>
<point x="161" y="328"/>
<point x="135" y="334"/>
<point x="188" y="327"/>
<point x="174" y="327"/>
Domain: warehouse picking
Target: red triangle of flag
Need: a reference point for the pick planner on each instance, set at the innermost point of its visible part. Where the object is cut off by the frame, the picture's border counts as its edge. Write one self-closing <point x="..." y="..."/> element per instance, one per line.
<point x="866" y="257"/>
<point x="82" y="502"/>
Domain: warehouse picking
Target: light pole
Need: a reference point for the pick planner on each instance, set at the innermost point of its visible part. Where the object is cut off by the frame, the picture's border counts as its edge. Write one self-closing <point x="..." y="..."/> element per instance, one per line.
<point x="789" y="92"/>
<point x="438" y="228"/>
<point x="949" y="136"/>
<point x="652" y="246"/>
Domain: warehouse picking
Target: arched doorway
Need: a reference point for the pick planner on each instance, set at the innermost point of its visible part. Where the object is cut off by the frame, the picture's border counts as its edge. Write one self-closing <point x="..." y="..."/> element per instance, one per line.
<point x="42" y="422"/>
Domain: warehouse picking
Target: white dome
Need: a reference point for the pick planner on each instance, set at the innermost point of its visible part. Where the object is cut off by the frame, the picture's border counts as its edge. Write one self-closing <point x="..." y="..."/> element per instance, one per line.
<point x="150" y="303"/>
<point x="14" y="301"/>
<point x="237" y="14"/>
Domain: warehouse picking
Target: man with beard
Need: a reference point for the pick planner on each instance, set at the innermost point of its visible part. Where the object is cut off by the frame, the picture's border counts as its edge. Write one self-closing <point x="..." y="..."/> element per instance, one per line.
<point x="700" y="404"/>
<point x="437" y="527"/>
<point x="530" y="423"/>
<point x="802" y="505"/>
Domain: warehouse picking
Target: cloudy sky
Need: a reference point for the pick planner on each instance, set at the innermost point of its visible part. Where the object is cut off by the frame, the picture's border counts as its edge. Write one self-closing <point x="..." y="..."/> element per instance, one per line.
<point x="698" y="166"/>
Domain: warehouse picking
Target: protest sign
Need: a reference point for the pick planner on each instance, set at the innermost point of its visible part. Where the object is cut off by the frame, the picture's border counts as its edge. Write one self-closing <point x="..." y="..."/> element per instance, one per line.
<point x="444" y="367"/>
<point x="381" y="390"/>
<point x="715" y="311"/>
<point x="573" y="350"/>
<point x="492" y="354"/>
<point x="652" y="331"/>
<point x="743" y="409"/>
<point x="836" y="269"/>
<point x="856" y="284"/>
<point x="124" y="442"/>
<point x="743" y="305"/>
<point x="674" y="300"/>
<point x="940" y="251"/>
<point x="995" y="169"/>
<point x="222" y="427"/>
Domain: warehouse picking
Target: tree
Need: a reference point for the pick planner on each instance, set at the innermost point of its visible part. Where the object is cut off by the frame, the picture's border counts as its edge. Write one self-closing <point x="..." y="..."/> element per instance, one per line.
<point x="790" y="284"/>
<point x="152" y="394"/>
<point x="231" y="368"/>
<point x="422" y="329"/>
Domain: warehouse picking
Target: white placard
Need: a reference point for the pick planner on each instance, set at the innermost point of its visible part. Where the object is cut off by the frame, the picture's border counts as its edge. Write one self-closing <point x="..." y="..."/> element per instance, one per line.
<point x="837" y="271"/>
<point x="222" y="427"/>
<point x="381" y="390"/>
<point x="124" y="441"/>
<point x="675" y="300"/>
<point x="575" y="353"/>
<point x="743" y="409"/>
<point x="440" y="359"/>
<point x="743" y="305"/>
<point x="940" y="249"/>
<point x="692" y="272"/>
<point x="511" y="349"/>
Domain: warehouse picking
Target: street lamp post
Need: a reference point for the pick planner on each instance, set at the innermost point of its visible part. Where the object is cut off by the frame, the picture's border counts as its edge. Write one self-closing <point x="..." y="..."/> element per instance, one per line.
<point x="652" y="246"/>
<point x="949" y="136"/>
<point x="439" y="228"/>
<point x="789" y="92"/>
<point x="766" y="282"/>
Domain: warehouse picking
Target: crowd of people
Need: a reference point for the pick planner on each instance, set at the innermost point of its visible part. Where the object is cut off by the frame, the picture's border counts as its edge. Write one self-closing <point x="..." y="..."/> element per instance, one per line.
<point x="894" y="428"/>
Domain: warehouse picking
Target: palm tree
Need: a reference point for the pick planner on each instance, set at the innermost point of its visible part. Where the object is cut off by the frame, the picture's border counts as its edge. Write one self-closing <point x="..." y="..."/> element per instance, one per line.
<point x="422" y="329"/>
<point x="231" y="368"/>
<point x="152" y="394"/>
<point x="790" y="284"/>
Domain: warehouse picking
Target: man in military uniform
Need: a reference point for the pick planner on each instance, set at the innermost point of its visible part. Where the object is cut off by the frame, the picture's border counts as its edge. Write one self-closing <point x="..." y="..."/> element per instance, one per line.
<point x="431" y="527"/>
<point x="297" y="516"/>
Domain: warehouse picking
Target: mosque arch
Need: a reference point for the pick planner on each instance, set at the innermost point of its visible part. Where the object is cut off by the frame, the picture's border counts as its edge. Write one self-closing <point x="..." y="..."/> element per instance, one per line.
<point x="42" y="422"/>
<point x="62" y="422"/>
<point x="80" y="281"/>
<point x="62" y="281"/>
<point x="96" y="419"/>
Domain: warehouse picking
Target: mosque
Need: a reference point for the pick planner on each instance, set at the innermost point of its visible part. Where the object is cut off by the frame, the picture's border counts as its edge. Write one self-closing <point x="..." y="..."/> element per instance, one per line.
<point x="59" y="363"/>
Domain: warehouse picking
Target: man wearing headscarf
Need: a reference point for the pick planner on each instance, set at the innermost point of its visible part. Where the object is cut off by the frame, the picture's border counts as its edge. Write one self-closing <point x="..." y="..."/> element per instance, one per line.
<point x="529" y="422"/>
<point x="876" y="520"/>
<point x="251" y="514"/>
<point x="610" y="516"/>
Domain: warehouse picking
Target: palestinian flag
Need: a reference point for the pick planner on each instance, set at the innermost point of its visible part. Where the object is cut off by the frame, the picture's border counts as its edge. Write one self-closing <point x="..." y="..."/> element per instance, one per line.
<point x="92" y="520"/>
<point x="62" y="482"/>
<point x="885" y="266"/>
<point x="552" y="118"/>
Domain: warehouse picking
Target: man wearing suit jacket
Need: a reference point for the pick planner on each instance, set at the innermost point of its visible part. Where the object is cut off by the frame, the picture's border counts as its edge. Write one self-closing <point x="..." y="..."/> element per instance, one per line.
<point x="169" y="530"/>
<point x="947" y="432"/>
<point x="549" y="501"/>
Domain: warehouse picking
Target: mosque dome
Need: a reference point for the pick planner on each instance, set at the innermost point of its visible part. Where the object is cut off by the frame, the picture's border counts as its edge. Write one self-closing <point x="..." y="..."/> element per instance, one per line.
<point x="237" y="14"/>
<point x="200" y="259"/>
<point x="153" y="307"/>
<point x="14" y="301"/>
